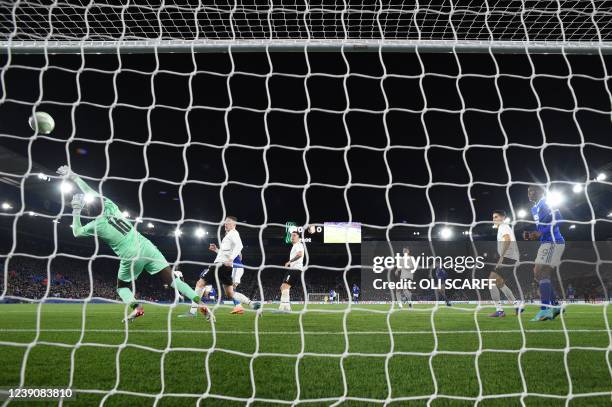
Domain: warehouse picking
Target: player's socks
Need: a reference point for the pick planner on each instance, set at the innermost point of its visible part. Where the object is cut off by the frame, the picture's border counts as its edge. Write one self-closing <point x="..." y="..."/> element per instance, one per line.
<point x="546" y="294"/>
<point x="126" y="295"/>
<point x="508" y="293"/>
<point x="184" y="289"/>
<point x="496" y="297"/>
<point x="241" y="298"/>
<point x="285" y="301"/>
<point x="194" y="305"/>
<point x="408" y="296"/>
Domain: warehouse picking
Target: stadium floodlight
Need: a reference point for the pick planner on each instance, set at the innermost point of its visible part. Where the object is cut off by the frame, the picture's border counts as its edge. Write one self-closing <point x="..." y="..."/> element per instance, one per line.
<point x="138" y="219"/>
<point x="6" y="206"/>
<point x="446" y="233"/>
<point x="200" y="233"/>
<point x="125" y="214"/>
<point x="521" y="213"/>
<point x="66" y="187"/>
<point x="572" y="227"/>
<point x="610" y="215"/>
<point x="601" y="176"/>
<point x="89" y="198"/>
<point x="555" y="199"/>
<point x="178" y="232"/>
<point x="31" y="213"/>
<point x="577" y="188"/>
<point x="150" y="225"/>
<point x="42" y="176"/>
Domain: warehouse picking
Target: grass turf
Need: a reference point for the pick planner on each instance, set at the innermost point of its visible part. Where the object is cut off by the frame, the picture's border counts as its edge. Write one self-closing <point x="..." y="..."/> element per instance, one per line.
<point x="453" y="353"/>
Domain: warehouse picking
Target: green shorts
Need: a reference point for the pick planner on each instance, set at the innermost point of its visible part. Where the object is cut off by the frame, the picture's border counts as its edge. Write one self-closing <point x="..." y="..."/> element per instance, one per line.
<point x="150" y="259"/>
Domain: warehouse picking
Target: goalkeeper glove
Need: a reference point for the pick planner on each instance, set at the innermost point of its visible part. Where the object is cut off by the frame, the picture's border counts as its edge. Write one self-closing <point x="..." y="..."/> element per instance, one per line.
<point x="78" y="201"/>
<point x="65" y="171"/>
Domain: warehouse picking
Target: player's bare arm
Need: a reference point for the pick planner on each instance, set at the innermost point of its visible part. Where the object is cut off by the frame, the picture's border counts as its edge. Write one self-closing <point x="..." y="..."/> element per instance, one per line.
<point x="294" y="259"/>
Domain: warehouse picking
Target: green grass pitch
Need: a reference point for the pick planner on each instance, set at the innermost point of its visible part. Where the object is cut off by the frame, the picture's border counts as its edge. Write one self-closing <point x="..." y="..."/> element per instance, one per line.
<point x="447" y="357"/>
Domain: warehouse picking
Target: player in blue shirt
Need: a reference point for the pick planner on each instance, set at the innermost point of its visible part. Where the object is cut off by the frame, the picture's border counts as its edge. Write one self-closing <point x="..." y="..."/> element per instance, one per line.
<point x="355" y="293"/>
<point x="441" y="276"/>
<point x="551" y="249"/>
<point x="212" y="295"/>
<point x="571" y="293"/>
<point x="332" y="295"/>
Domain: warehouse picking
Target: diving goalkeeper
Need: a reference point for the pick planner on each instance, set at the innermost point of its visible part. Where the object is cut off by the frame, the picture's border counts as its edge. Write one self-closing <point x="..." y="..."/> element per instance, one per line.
<point x="136" y="252"/>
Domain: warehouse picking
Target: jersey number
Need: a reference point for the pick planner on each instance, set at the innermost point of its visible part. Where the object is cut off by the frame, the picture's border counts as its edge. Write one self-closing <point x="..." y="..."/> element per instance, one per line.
<point x="122" y="226"/>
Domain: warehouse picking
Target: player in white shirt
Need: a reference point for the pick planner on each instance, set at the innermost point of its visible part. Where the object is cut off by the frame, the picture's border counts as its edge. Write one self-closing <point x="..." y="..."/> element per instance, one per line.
<point x="507" y="250"/>
<point x="230" y="248"/>
<point x="405" y="273"/>
<point x="296" y="265"/>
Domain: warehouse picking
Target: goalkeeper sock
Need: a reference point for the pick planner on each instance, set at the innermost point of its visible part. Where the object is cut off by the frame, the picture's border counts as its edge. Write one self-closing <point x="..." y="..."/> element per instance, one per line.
<point x="195" y="305"/>
<point x="241" y="298"/>
<point x="545" y="293"/>
<point x="285" y="301"/>
<point x="127" y="296"/>
<point x="508" y="293"/>
<point x="184" y="289"/>
<point x="496" y="297"/>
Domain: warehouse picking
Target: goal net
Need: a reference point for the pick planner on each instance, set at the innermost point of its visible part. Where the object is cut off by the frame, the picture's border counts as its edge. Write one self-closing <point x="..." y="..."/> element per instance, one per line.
<point x="410" y="120"/>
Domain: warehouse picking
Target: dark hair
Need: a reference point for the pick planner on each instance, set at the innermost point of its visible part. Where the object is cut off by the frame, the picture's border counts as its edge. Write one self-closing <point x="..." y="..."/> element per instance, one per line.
<point x="235" y="219"/>
<point x="499" y="212"/>
<point x="537" y="187"/>
<point x="296" y="232"/>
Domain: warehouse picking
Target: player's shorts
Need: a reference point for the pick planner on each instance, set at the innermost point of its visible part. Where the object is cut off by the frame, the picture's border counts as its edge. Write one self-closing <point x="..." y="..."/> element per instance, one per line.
<point x="150" y="259"/>
<point x="549" y="254"/>
<point x="237" y="273"/>
<point x="406" y="276"/>
<point x="507" y="265"/>
<point x="355" y="296"/>
<point x="292" y="277"/>
<point x="223" y="275"/>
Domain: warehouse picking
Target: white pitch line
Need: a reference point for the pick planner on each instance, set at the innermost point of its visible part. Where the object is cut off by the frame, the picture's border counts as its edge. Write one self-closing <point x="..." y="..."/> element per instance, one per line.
<point x="193" y="331"/>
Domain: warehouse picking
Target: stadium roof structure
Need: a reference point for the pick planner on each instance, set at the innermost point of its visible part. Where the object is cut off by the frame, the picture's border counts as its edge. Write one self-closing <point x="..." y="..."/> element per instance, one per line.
<point x="174" y="26"/>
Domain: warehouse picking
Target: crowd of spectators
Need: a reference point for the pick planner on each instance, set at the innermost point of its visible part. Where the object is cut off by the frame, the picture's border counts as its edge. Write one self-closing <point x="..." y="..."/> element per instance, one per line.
<point x="69" y="278"/>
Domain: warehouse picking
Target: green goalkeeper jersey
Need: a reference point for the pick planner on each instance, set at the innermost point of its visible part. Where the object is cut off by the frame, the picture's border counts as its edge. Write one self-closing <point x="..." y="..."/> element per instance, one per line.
<point x="111" y="227"/>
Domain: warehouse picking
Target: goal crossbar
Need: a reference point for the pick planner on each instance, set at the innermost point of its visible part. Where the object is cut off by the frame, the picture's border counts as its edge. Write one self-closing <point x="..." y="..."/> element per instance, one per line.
<point x="288" y="45"/>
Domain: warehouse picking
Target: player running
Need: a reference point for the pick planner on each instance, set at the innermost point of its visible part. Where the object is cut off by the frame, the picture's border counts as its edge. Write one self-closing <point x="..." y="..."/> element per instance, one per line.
<point x="405" y="273"/>
<point x="136" y="252"/>
<point x="552" y="245"/>
<point x="209" y="292"/>
<point x="332" y="295"/>
<point x="508" y="256"/>
<point x="356" y="292"/>
<point x="296" y="265"/>
<point x="231" y="246"/>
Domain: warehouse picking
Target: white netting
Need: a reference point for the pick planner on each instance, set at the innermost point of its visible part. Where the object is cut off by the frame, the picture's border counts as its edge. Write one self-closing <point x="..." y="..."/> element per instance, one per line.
<point x="218" y="20"/>
<point x="381" y="86"/>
